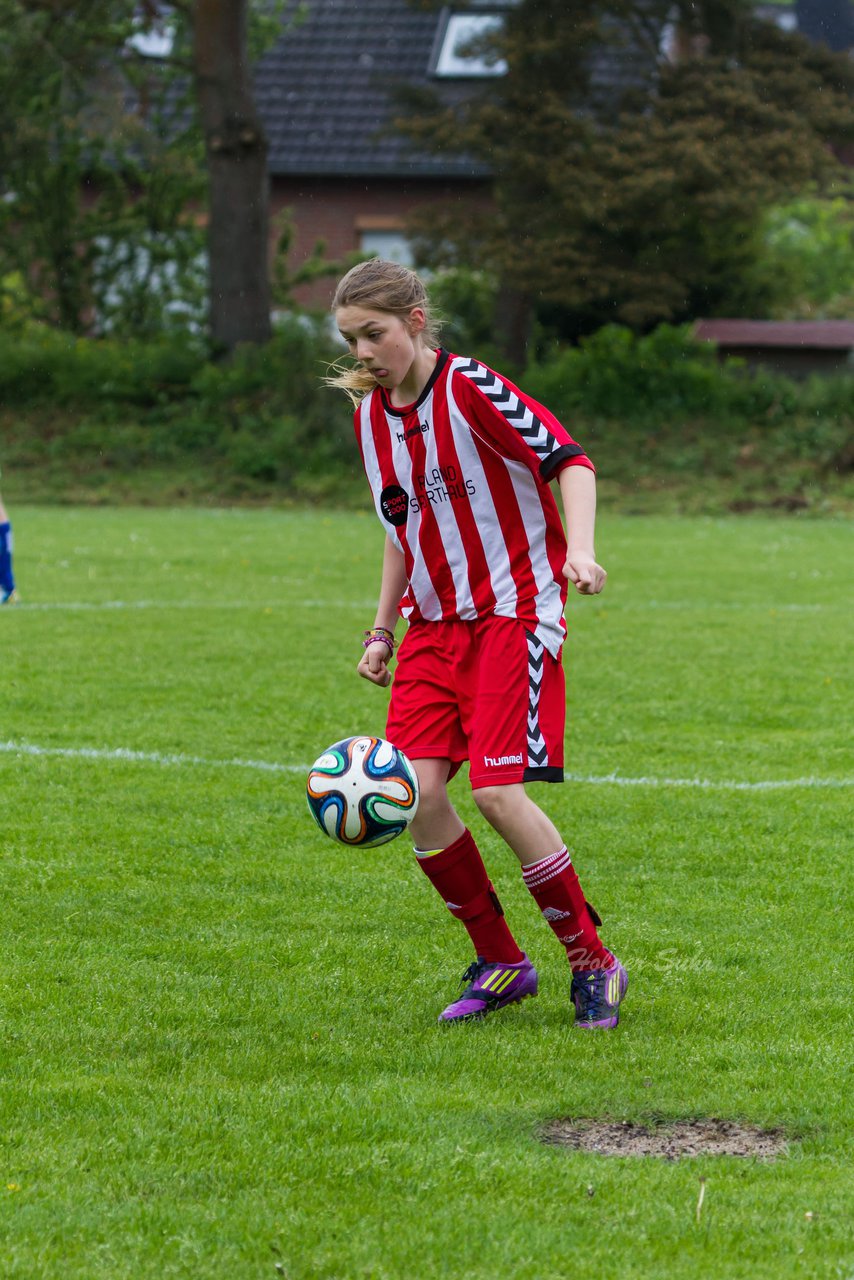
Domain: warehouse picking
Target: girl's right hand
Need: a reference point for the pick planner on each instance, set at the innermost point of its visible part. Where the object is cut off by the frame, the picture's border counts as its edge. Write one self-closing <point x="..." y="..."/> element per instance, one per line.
<point x="373" y="664"/>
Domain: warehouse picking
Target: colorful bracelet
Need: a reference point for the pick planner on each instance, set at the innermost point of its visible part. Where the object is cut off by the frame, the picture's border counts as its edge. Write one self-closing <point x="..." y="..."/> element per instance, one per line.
<point x="379" y="635"/>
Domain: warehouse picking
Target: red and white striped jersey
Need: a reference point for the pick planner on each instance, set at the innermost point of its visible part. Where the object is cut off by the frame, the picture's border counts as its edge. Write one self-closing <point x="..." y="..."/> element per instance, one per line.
<point x="460" y="480"/>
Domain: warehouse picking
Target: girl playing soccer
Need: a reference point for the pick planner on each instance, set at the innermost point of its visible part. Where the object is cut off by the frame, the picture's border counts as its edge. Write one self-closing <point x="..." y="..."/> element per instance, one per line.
<point x="460" y="462"/>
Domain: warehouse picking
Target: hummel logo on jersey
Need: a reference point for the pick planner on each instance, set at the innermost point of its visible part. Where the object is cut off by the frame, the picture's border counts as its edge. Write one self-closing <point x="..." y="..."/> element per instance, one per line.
<point x="552" y="913"/>
<point x="420" y="429"/>
<point x="497" y="760"/>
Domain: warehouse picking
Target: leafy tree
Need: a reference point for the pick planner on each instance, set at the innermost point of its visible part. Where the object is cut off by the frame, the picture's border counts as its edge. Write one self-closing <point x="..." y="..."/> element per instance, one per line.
<point x="806" y="263"/>
<point x="102" y="163"/>
<point x="285" y="279"/>
<point x="90" y="158"/>
<point x="644" y="205"/>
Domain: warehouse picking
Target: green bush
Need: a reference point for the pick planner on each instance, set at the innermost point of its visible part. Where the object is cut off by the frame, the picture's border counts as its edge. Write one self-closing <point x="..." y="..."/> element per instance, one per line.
<point x="465" y="300"/>
<point x="40" y="365"/>
<point x="806" y="266"/>
<point x="262" y="423"/>
<point x="263" y="416"/>
<point x="617" y="374"/>
<point x="669" y="377"/>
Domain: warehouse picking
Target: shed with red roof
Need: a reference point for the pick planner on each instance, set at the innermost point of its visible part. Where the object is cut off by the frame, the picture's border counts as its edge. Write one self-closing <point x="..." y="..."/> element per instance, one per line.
<point x="793" y="347"/>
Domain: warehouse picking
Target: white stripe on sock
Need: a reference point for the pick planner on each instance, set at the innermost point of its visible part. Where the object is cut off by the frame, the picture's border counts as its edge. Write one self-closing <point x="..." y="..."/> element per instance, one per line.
<point x="546" y="869"/>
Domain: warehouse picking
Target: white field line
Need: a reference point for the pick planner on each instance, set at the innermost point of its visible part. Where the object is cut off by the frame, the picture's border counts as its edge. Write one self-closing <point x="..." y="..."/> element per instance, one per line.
<point x="146" y="757"/>
<point x="268" y="766"/>
<point x="628" y="606"/>
<point x="711" y="784"/>
<point x="97" y="606"/>
<point x="715" y="606"/>
<point x="84" y="606"/>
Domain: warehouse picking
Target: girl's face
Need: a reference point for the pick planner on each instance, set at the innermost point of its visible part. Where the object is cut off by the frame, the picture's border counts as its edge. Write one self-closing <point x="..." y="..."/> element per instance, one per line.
<point x="384" y="343"/>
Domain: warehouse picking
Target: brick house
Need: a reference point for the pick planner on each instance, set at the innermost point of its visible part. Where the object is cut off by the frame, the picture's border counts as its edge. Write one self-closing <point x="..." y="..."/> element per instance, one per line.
<point x="325" y="94"/>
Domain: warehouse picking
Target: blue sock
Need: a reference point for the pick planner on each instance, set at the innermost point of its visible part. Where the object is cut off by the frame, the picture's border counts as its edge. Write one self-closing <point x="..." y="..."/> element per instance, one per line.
<point x="7" y="580"/>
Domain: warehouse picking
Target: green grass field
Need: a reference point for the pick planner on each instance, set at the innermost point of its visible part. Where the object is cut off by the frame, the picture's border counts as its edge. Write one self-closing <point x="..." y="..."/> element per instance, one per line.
<point x="219" y="1048"/>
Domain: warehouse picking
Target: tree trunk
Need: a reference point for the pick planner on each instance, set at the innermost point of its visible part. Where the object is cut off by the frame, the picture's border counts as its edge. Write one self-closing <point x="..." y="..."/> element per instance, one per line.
<point x="237" y="166"/>
<point x="514" y="316"/>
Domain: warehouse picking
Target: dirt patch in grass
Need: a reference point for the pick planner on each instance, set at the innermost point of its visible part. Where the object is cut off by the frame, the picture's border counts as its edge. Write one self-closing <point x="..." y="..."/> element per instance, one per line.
<point x="671" y="1140"/>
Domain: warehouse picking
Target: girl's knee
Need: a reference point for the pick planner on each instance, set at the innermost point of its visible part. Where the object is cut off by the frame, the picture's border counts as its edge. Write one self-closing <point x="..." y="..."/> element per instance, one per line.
<point x="432" y="801"/>
<point x="436" y="824"/>
<point x="433" y="795"/>
<point x="432" y="779"/>
<point x="498" y="803"/>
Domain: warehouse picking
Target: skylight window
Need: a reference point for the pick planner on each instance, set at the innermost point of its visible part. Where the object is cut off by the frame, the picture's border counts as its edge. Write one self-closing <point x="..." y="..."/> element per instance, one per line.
<point x="786" y="20"/>
<point x="153" y="40"/>
<point x="459" y="52"/>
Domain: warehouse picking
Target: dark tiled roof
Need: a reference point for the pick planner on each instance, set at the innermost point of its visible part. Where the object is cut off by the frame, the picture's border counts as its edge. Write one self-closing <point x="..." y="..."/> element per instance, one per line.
<point x="826" y="334"/>
<point x="829" y="22"/>
<point x="325" y="90"/>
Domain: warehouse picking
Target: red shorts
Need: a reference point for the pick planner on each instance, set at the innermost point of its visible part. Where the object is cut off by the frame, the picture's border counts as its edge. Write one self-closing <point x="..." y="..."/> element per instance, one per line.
<point x="486" y="691"/>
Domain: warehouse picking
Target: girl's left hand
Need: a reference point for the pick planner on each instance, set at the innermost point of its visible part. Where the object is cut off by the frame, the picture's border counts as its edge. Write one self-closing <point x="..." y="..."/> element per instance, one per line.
<point x="584" y="573"/>
<point x="373" y="665"/>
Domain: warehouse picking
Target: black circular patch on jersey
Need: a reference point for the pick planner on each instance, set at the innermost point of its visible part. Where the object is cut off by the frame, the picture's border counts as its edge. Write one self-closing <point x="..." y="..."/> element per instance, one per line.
<point x="394" y="504"/>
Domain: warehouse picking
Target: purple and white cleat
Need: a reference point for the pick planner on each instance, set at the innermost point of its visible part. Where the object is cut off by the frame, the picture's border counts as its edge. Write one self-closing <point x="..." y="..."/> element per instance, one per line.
<point x="491" y="986"/>
<point x="597" y="994"/>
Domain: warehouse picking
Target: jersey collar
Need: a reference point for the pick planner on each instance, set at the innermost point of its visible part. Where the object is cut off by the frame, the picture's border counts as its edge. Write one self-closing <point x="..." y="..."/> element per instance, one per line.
<point x="403" y="410"/>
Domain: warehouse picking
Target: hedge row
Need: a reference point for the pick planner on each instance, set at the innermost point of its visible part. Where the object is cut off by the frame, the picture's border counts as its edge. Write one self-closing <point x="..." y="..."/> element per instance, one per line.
<point x="266" y="416"/>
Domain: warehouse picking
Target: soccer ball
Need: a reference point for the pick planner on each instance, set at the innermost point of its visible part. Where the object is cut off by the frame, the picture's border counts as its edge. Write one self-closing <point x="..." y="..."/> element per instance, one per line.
<point x="362" y="791"/>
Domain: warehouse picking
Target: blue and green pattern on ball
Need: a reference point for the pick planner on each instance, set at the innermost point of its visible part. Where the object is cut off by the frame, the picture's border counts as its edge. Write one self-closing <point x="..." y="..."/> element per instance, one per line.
<point x="362" y="791"/>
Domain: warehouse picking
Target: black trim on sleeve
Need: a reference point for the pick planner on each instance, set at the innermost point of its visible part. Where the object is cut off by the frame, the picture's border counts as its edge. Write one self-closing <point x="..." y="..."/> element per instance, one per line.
<point x="547" y="773"/>
<point x="549" y="465"/>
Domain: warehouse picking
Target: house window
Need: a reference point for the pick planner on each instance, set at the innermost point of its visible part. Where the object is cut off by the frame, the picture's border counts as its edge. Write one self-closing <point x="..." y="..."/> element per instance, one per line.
<point x="458" y="52"/>
<point x="781" y="12"/>
<point x="153" y="39"/>
<point x="389" y="243"/>
<point x="162" y="284"/>
<point x="668" y="41"/>
<point x="787" y="21"/>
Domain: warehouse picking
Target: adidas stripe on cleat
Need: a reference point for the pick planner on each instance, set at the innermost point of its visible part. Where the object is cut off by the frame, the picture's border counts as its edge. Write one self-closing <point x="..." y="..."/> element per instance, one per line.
<point x="597" y="995"/>
<point x="491" y="986"/>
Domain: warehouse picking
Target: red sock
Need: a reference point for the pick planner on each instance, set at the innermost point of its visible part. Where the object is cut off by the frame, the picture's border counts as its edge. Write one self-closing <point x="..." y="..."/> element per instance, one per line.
<point x="458" y="874"/>
<point x="554" y="886"/>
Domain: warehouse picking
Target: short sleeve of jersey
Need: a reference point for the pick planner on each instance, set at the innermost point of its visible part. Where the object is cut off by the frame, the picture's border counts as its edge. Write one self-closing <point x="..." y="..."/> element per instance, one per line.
<point x="512" y="423"/>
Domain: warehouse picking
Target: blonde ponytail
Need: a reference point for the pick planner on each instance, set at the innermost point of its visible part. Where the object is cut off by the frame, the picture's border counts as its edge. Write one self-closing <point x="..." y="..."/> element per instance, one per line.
<point x="353" y="379"/>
